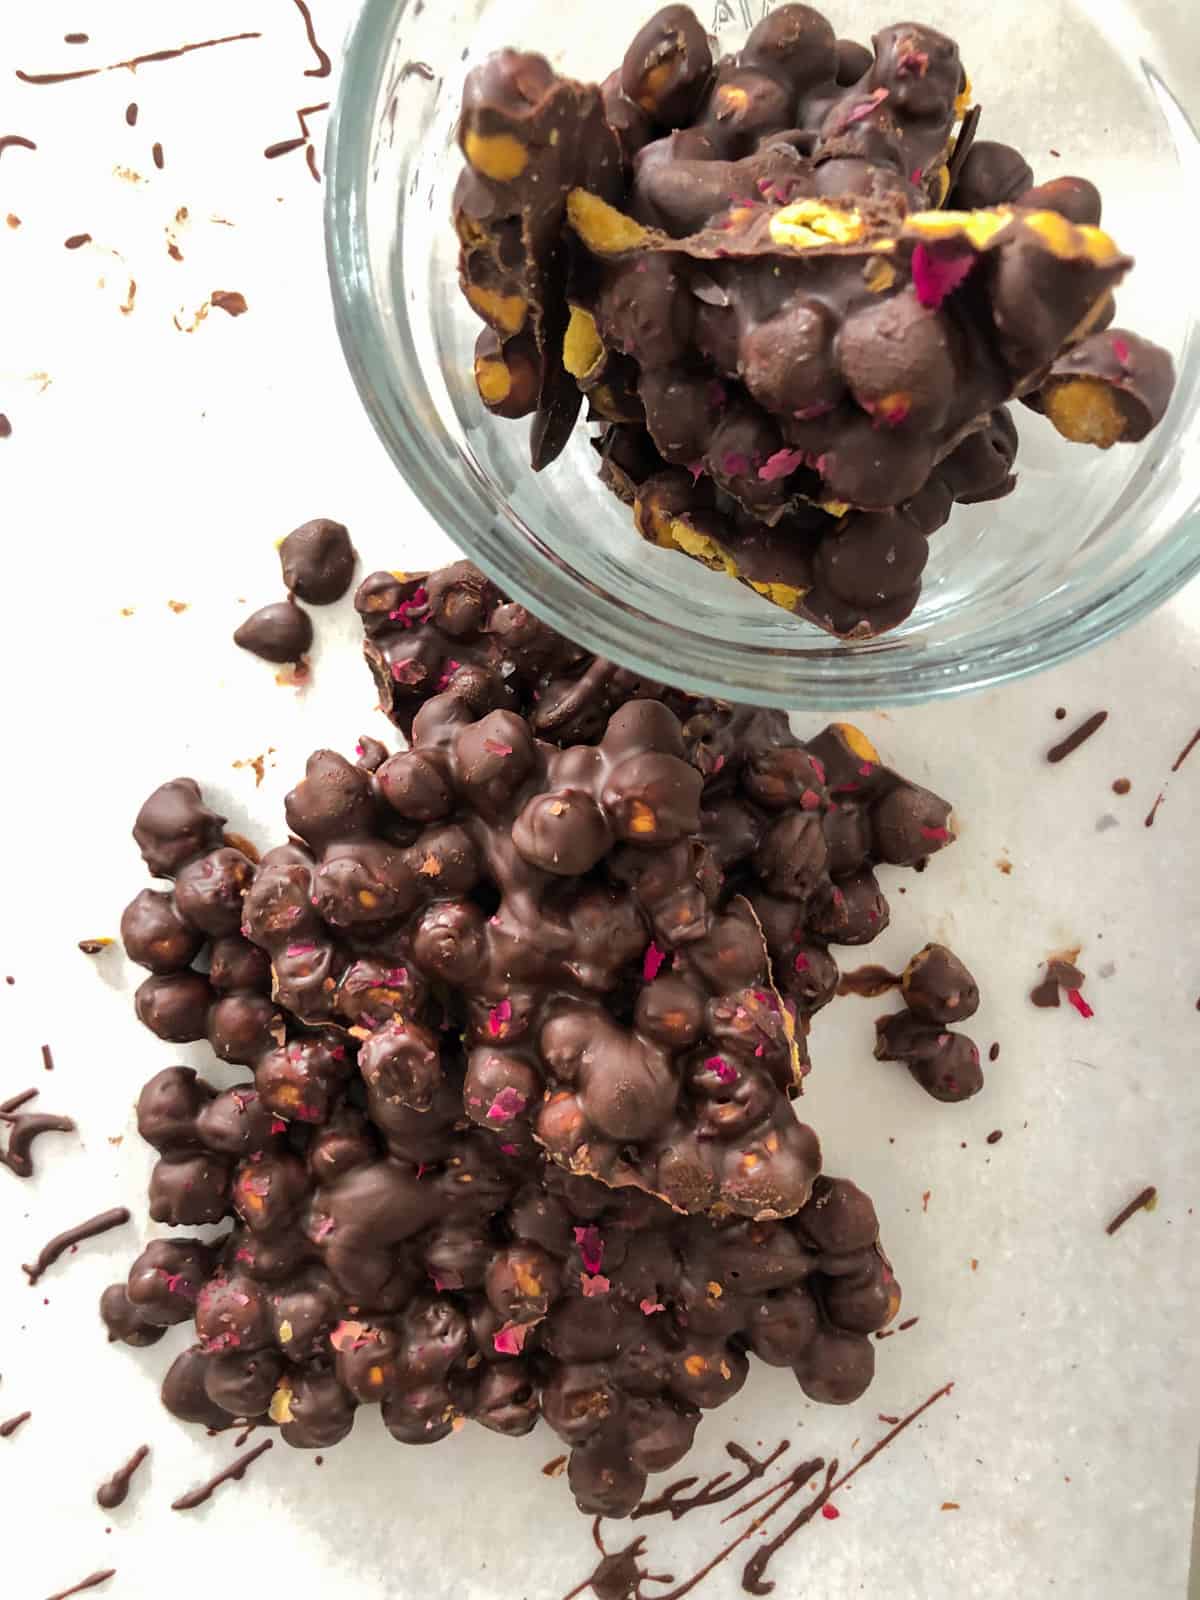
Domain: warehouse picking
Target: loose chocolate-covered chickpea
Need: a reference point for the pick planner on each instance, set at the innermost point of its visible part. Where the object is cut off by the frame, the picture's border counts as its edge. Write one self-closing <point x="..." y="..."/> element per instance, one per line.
<point x="168" y="1108"/>
<point x="123" y="1320"/>
<point x="235" y="963"/>
<point x="188" y="1190"/>
<point x="184" y="1394"/>
<point x="318" y="1412"/>
<point x="318" y="561"/>
<point x="236" y="1123"/>
<point x="667" y="66"/>
<point x="280" y="632"/>
<point x="1111" y="387"/>
<point x="938" y="988"/>
<point x="991" y="175"/>
<point x="165" y="1280"/>
<point x="782" y="1325"/>
<point x="908" y="824"/>
<point x="268" y="1191"/>
<point x="837" y="1367"/>
<point x="508" y="373"/>
<point x="242" y="1382"/>
<point x="332" y="802"/>
<point x="1074" y="198"/>
<point x="209" y="891"/>
<point x="174" y="825"/>
<point x="175" y="1006"/>
<point x="155" y="935"/>
<point x="945" y="1064"/>
<point x="242" y="1026"/>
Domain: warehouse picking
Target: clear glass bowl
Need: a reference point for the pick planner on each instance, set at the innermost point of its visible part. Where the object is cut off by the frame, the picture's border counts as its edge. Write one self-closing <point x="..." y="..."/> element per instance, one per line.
<point x="1089" y="542"/>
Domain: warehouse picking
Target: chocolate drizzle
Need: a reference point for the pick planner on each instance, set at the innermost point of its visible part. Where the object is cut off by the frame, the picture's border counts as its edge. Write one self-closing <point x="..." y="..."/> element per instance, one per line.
<point x="23" y="1129"/>
<point x="1186" y="751"/>
<point x="134" y="61"/>
<point x="10" y="141"/>
<point x="92" y="1582"/>
<point x="234" y="1472"/>
<point x="286" y="146"/>
<point x="324" y="66"/>
<point x="49" y="1253"/>
<point x="7" y="1429"/>
<point x="1146" y="1201"/>
<point x="1080" y="735"/>
<point x="673" y="1502"/>
<point x="113" y="1492"/>
<point x="869" y="982"/>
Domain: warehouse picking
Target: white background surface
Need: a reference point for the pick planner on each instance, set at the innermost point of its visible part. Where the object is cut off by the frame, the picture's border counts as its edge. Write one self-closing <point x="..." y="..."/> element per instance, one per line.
<point x="160" y="465"/>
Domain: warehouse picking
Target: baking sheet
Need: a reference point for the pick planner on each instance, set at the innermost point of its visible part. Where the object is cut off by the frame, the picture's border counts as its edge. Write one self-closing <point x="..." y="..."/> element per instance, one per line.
<point x="148" y="464"/>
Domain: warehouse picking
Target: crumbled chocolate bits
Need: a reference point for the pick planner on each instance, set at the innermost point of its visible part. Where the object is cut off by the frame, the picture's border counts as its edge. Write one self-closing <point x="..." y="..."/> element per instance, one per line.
<point x="1061" y="976"/>
<point x="318" y="561"/>
<point x="231" y="301"/>
<point x="94" y="947"/>
<point x="281" y="632"/>
<point x="764" y="286"/>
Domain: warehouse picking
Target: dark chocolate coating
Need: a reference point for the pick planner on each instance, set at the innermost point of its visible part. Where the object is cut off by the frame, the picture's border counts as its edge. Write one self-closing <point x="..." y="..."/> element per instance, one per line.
<point x="937" y="987"/>
<point x="174" y="825"/>
<point x="318" y="562"/>
<point x="991" y="175"/>
<point x="667" y="66"/>
<point x="279" y="632"/>
<point x="945" y="1064"/>
<point x="1074" y="198"/>
<point x="156" y="936"/>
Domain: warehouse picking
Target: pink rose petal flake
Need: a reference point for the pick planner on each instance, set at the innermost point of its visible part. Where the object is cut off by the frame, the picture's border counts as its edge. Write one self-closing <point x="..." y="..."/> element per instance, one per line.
<point x="937" y="274"/>
<point x="510" y="1339"/>
<point x="651" y="962"/>
<point x="780" y="465"/>
<point x="593" y="1284"/>
<point x="591" y="1247"/>
<point x="509" y="1103"/>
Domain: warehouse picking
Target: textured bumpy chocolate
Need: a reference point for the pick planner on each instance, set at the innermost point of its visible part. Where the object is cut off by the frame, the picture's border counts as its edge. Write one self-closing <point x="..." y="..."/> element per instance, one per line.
<point x="937" y="990"/>
<point x="796" y="829"/>
<point x="486" y="945"/>
<point x="806" y="357"/>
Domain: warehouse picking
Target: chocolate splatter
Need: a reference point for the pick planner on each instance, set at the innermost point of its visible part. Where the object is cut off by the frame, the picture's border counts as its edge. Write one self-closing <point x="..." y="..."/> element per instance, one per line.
<point x="995" y="1136"/>
<point x="869" y="982"/>
<point x="234" y="1472"/>
<point x="47" y="1058"/>
<point x="1061" y="973"/>
<point x="77" y="241"/>
<point x="134" y="61"/>
<point x="113" y="1491"/>
<point x="1121" y="786"/>
<point x="994" y="1052"/>
<point x="7" y="1429"/>
<point x="1081" y="735"/>
<point x="177" y="606"/>
<point x="675" y="1504"/>
<point x="62" y="1242"/>
<point x="1153" y="812"/>
<point x="156" y="155"/>
<point x="554" y="1467"/>
<point x="1146" y="1201"/>
<point x="92" y="1582"/>
<point x="1186" y="751"/>
<point x="230" y="301"/>
<point x="15" y="141"/>
<point x="23" y="1129"/>
<point x="75" y="38"/>
<point x="131" y="113"/>
<point x="1061" y="712"/>
<point x="324" y="66"/>
<point x="93" y="947"/>
<point x="617" y="1576"/>
<point x="909" y="1322"/>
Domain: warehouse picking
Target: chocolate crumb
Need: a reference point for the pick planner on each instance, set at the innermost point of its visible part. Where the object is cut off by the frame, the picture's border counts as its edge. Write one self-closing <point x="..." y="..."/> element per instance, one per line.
<point x="230" y="301"/>
<point x="1080" y="735"/>
<point x="13" y="220"/>
<point x="1061" y="713"/>
<point x="75" y="38"/>
<point x="178" y="606"/>
<point x="553" y="1468"/>
<point x="1146" y="1201"/>
<point x="47" y="1058"/>
<point x="1121" y="786"/>
<point x="995" y="1136"/>
<point x="77" y="240"/>
<point x="131" y="113"/>
<point x="994" y="1052"/>
<point x="7" y="1429"/>
<point x="127" y="611"/>
<point x="1005" y="866"/>
<point x="156" y="156"/>
<point x="909" y="1322"/>
<point x="93" y="947"/>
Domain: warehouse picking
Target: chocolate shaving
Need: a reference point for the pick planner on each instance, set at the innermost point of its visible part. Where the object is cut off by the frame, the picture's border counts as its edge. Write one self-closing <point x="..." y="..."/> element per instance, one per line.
<point x="1145" y="1201"/>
